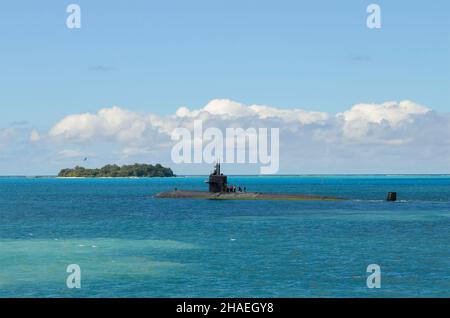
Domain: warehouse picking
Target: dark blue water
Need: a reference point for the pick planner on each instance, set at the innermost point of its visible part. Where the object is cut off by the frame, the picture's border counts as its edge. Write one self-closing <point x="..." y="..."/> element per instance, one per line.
<point x="129" y="244"/>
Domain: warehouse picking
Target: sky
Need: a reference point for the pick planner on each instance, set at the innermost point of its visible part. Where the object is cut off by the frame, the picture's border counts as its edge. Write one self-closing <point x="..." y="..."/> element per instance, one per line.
<point x="149" y="58"/>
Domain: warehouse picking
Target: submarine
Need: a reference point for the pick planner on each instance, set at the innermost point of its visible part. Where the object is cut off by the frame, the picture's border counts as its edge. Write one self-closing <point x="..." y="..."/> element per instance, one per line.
<point x="219" y="189"/>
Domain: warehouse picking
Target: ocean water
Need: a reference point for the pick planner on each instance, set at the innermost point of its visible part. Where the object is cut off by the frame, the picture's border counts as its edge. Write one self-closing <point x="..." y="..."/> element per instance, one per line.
<point x="129" y="244"/>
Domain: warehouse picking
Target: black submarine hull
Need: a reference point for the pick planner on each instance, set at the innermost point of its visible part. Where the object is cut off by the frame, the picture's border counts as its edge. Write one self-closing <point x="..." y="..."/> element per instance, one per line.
<point x="184" y="194"/>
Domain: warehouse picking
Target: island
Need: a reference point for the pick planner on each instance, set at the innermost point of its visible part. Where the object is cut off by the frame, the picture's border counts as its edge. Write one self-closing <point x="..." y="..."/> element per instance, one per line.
<point x="115" y="171"/>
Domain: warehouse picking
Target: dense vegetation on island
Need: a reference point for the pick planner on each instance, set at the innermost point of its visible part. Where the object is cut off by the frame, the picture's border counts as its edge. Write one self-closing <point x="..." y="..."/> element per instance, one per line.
<point x="115" y="171"/>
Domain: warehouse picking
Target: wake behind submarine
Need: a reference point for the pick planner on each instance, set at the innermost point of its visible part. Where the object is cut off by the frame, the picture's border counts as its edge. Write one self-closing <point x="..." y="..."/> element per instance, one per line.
<point x="219" y="189"/>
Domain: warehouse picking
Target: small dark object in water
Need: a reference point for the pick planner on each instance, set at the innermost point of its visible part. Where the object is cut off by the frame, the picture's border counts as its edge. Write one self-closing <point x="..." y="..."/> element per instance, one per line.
<point x="392" y="196"/>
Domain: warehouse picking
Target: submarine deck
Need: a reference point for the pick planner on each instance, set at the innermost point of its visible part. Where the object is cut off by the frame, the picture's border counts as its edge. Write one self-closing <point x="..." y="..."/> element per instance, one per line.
<point x="183" y="194"/>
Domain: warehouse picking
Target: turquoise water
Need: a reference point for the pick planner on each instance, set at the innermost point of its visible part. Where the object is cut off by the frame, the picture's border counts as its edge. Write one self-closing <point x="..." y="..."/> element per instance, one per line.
<point x="129" y="244"/>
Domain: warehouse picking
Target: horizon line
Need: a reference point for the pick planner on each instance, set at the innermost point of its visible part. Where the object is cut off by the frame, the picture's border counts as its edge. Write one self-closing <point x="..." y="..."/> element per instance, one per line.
<point x="248" y="175"/>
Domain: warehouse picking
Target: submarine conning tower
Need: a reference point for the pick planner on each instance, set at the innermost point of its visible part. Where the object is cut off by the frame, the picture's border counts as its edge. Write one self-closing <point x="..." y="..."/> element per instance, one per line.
<point x="217" y="181"/>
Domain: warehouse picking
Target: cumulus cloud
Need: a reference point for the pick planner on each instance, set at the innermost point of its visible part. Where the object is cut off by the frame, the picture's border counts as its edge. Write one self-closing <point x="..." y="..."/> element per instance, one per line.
<point x="362" y="120"/>
<point x="363" y="132"/>
<point x="109" y="123"/>
<point x="229" y="109"/>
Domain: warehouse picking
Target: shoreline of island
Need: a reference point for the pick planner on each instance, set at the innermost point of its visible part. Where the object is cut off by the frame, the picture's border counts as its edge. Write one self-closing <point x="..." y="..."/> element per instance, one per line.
<point x="136" y="170"/>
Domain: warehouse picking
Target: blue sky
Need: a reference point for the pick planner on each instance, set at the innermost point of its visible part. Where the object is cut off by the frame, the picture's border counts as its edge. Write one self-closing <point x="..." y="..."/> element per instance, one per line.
<point x="156" y="56"/>
<point x="160" y="55"/>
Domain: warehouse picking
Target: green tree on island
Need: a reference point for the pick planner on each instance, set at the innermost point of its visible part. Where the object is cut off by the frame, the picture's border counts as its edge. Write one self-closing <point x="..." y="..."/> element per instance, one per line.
<point x="115" y="171"/>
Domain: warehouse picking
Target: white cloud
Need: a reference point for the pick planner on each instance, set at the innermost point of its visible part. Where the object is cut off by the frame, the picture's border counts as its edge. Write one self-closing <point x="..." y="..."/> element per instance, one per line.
<point x="392" y="112"/>
<point x="229" y="109"/>
<point x="362" y="123"/>
<point x="109" y="123"/>
<point x="397" y="131"/>
<point x="290" y="115"/>
<point x="362" y="118"/>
